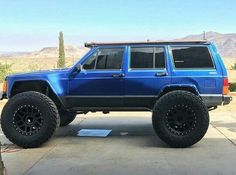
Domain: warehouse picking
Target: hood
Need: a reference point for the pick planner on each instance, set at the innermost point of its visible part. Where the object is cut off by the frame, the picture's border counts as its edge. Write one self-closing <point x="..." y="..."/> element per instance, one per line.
<point x="42" y="73"/>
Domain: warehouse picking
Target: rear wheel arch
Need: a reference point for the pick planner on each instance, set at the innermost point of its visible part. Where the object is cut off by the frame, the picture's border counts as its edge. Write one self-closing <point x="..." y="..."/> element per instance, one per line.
<point x="168" y="89"/>
<point x="41" y="86"/>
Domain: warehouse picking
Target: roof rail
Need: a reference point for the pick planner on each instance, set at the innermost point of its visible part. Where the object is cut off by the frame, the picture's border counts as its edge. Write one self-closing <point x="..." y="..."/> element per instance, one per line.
<point x="94" y="44"/>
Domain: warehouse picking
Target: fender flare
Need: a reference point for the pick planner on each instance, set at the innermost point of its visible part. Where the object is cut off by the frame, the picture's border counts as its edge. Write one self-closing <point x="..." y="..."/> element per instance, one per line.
<point x="171" y="87"/>
<point x="34" y="80"/>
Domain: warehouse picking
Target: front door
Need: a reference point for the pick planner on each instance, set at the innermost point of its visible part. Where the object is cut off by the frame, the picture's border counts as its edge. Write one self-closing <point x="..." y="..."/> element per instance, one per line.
<point x="100" y="82"/>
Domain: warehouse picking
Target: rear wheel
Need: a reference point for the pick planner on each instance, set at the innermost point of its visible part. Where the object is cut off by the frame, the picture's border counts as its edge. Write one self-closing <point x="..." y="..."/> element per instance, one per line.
<point x="180" y="118"/>
<point x="29" y="119"/>
<point x="66" y="117"/>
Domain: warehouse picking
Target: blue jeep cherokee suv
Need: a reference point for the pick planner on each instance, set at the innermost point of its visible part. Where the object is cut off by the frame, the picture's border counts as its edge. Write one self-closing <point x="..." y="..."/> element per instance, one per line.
<point x="178" y="81"/>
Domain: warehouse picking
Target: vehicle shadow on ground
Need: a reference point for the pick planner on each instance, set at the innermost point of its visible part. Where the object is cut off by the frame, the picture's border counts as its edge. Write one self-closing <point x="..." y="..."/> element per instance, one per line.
<point x="230" y="126"/>
<point x="121" y="129"/>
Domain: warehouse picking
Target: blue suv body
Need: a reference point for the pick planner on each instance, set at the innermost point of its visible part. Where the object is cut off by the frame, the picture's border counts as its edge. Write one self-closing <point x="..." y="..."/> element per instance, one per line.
<point x="130" y="77"/>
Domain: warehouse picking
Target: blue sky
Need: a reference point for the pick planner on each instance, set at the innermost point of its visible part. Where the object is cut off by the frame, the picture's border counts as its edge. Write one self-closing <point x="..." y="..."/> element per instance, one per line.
<point x="27" y="25"/>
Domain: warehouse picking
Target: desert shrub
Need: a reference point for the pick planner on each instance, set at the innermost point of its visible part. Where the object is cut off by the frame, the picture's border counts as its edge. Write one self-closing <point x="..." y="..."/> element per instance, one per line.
<point x="34" y="67"/>
<point x="233" y="67"/>
<point x="232" y="87"/>
<point x="5" y="69"/>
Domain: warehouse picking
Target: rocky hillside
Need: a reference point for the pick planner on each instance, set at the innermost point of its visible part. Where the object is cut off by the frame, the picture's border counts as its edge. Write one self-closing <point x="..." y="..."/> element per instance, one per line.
<point x="46" y="58"/>
<point x="47" y="52"/>
<point x="51" y="52"/>
<point x="226" y="43"/>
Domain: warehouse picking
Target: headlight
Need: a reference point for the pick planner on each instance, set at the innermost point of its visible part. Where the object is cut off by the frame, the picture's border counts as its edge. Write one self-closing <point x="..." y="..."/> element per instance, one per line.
<point x="4" y="87"/>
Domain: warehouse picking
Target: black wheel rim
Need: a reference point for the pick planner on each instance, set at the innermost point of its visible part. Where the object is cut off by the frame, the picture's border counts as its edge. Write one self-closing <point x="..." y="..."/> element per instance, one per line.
<point x="181" y="119"/>
<point x="27" y="120"/>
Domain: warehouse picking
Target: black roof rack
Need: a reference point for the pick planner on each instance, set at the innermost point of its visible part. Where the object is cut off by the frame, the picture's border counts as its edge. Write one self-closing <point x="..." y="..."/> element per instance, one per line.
<point x="93" y="44"/>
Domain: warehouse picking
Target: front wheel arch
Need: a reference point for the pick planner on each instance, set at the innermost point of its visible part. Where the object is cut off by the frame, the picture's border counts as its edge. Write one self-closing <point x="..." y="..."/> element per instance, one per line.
<point x="40" y="86"/>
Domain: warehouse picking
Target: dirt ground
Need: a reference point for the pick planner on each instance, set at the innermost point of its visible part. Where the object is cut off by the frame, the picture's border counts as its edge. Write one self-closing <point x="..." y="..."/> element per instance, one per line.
<point x="2" y="103"/>
<point x="131" y="148"/>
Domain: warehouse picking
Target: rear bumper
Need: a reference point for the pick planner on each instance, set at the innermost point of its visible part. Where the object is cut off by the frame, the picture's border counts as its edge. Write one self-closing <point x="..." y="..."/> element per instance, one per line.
<point x="215" y="99"/>
<point x="226" y="99"/>
<point x="2" y="95"/>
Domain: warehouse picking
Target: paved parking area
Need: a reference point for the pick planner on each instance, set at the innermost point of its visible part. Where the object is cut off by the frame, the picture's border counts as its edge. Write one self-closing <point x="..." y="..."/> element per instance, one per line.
<point x="131" y="148"/>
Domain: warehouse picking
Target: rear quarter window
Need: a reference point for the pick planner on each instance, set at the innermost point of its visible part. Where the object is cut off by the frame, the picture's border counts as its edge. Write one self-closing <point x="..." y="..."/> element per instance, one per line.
<point x="195" y="57"/>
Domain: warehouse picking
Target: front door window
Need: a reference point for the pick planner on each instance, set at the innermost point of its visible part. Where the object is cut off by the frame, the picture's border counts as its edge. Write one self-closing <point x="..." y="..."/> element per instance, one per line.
<point x="105" y="59"/>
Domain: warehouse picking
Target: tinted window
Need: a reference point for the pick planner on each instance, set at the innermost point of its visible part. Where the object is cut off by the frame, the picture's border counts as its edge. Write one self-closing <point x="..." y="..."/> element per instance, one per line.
<point x="147" y="57"/>
<point x="141" y="57"/>
<point x="90" y="63"/>
<point x="192" y="57"/>
<point x="109" y="59"/>
<point x="105" y="59"/>
<point x="159" y="58"/>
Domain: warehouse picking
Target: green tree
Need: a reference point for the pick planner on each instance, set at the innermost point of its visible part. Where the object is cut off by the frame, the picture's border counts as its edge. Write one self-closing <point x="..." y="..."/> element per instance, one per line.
<point x="61" y="60"/>
<point x="233" y="67"/>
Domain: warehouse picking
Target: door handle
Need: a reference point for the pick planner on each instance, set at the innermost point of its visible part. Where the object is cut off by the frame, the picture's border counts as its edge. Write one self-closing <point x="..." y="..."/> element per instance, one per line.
<point x="118" y="75"/>
<point x="161" y="74"/>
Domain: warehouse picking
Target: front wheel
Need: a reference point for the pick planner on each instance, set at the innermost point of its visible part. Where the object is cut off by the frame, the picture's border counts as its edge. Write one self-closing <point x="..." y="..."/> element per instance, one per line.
<point x="180" y="118"/>
<point x="29" y="119"/>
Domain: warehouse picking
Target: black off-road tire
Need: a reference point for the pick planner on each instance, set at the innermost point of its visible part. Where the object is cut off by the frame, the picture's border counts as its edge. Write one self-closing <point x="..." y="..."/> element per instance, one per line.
<point x="180" y="118"/>
<point x="29" y="119"/>
<point x="66" y="117"/>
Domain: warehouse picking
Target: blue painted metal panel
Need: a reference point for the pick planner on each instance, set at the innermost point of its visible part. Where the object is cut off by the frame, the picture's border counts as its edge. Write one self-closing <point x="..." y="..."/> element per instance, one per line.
<point x="56" y="79"/>
<point x="97" y="82"/>
<point x="143" y="81"/>
<point x="207" y="81"/>
<point x="134" y="82"/>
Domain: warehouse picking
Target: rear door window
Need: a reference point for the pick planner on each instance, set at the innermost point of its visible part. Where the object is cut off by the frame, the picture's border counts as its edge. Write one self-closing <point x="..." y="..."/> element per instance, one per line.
<point x="147" y="58"/>
<point x="195" y="57"/>
<point x="159" y="57"/>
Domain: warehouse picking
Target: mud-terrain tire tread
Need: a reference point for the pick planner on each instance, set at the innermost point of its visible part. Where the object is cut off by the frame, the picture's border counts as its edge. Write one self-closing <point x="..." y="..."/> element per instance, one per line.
<point x="52" y="125"/>
<point x="159" y="112"/>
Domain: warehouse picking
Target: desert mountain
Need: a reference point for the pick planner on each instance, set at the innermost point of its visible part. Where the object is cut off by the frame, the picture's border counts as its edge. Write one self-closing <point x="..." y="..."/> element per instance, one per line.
<point x="226" y="43"/>
<point x="45" y="58"/>
<point x="52" y="52"/>
<point x="48" y="52"/>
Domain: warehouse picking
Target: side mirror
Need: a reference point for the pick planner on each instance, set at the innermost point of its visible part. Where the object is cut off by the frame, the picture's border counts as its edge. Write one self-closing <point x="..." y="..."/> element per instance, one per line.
<point x="79" y="68"/>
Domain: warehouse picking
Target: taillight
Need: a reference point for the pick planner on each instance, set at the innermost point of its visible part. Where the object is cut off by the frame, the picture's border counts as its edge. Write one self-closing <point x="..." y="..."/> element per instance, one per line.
<point x="4" y="87"/>
<point x="225" y="86"/>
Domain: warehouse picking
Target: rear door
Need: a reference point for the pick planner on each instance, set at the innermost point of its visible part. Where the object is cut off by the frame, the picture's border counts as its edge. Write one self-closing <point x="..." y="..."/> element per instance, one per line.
<point x="146" y="75"/>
